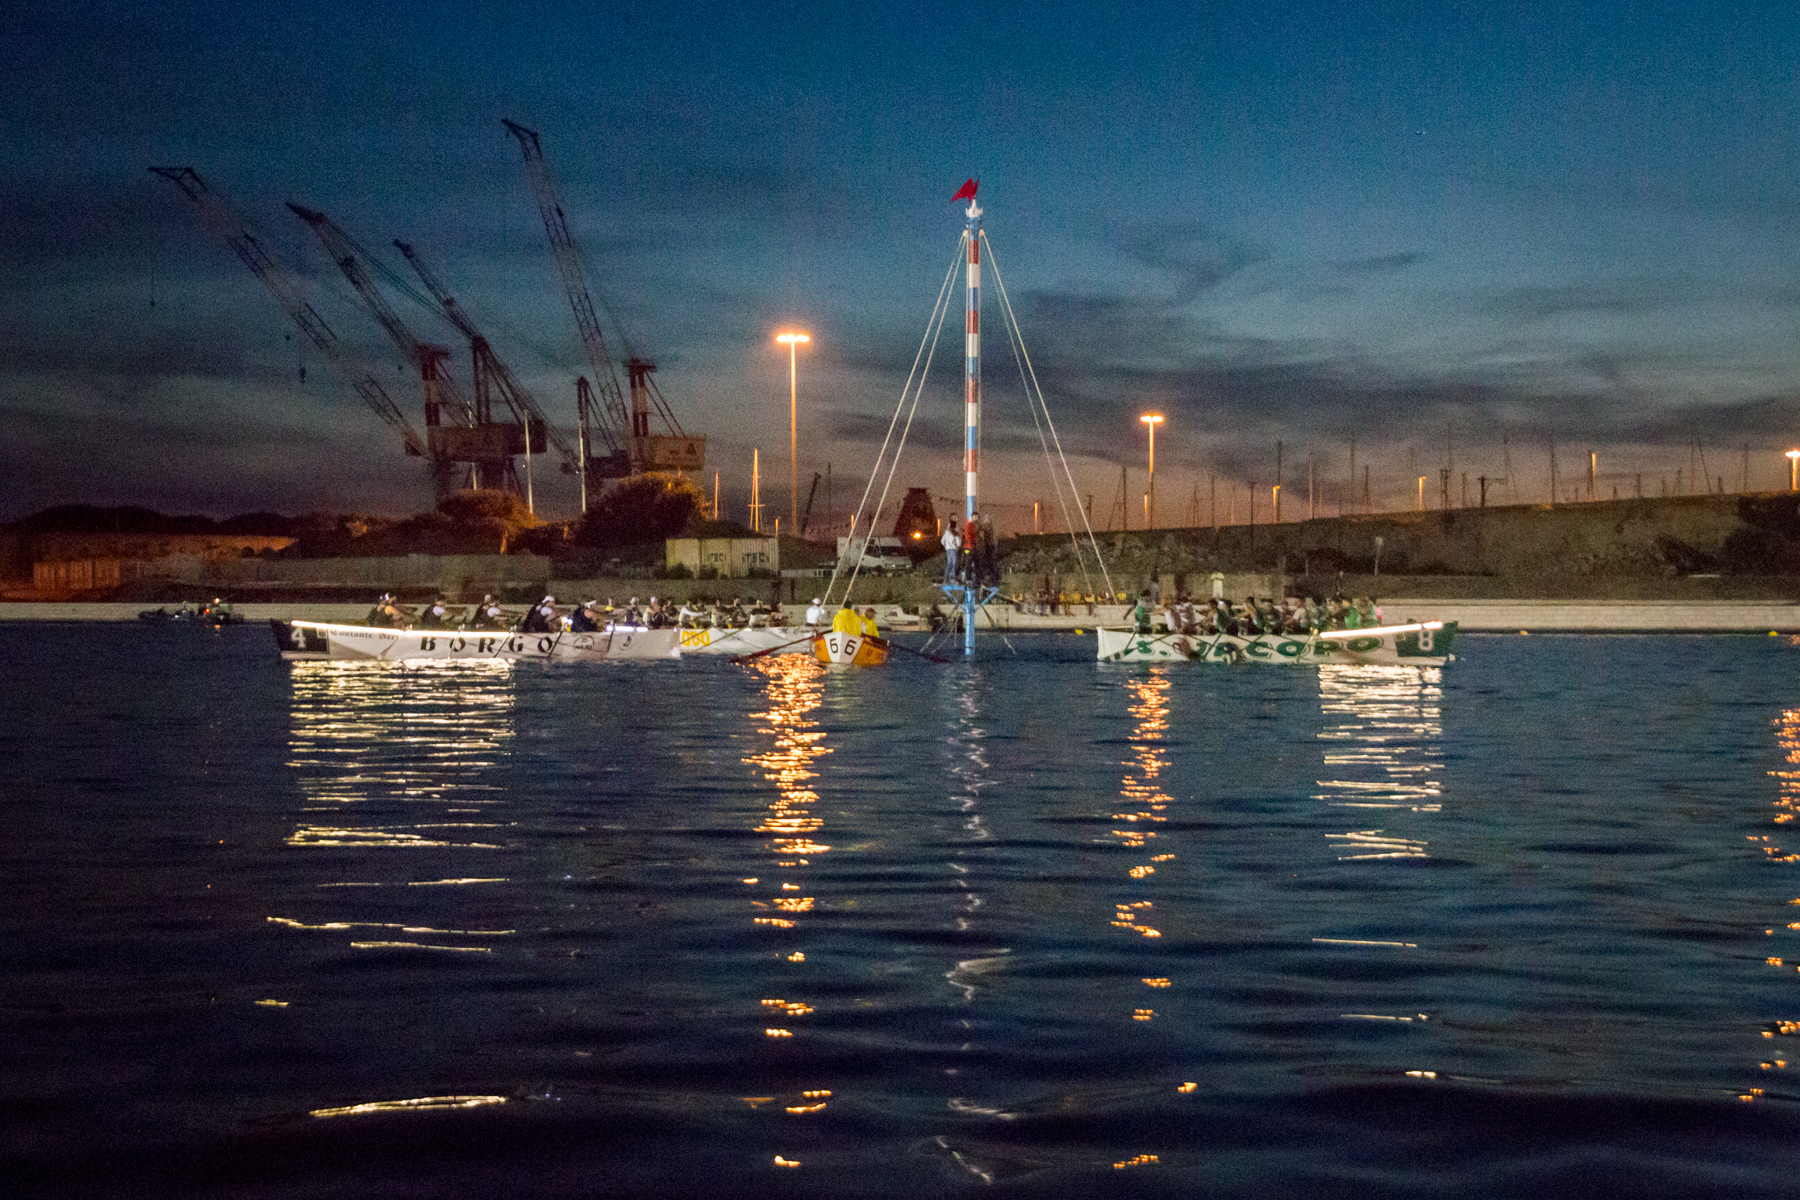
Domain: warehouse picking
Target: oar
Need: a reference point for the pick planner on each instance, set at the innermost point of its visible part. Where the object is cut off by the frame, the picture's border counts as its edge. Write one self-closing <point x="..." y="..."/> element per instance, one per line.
<point x="738" y="658"/>
<point x="917" y="653"/>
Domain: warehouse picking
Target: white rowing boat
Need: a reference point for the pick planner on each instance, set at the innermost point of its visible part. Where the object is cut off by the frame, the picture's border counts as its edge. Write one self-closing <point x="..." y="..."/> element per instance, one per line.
<point x="323" y="639"/>
<point x="1416" y="644"/>
<point x="755" y="639"/>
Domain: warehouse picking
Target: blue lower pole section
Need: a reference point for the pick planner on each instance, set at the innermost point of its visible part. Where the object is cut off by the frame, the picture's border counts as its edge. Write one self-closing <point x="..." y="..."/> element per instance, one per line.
<point x="968" y="621"/>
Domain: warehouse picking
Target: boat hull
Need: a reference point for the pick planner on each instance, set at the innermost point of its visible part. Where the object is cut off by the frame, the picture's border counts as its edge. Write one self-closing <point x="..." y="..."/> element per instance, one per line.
<point x="836" y="648"/>
<point x="320" y="639"/>
<point x="1415" y="645"/>
<point x="761" y="639"/>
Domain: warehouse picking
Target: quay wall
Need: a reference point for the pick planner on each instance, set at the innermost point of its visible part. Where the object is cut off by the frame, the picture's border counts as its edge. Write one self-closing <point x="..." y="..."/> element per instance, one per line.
<point x="1474" y="616"/>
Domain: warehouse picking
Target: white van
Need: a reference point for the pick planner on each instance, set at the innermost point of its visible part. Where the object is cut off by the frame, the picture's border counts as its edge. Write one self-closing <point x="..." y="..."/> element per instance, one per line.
<point x="878" y="554"/>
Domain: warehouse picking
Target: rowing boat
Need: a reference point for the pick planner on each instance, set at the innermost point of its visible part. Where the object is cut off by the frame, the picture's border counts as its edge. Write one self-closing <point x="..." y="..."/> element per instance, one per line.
<point x="323" y="639"/>
<point x="841" y="648"/>
<point x="755" y="639"/>
<point x="1416" y="644"/>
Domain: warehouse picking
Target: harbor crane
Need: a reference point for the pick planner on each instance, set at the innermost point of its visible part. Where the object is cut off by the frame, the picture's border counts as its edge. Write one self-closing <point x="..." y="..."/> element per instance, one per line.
<point x="491" y="375"/>
<point x="250" y="247"/>
<point x="471" y="436"/>
<point x="631" y="447"/>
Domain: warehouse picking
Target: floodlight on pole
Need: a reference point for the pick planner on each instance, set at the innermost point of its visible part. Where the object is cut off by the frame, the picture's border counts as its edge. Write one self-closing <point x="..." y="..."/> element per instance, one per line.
<point x="1152" y="420"/>
<point x="791" y="341"/>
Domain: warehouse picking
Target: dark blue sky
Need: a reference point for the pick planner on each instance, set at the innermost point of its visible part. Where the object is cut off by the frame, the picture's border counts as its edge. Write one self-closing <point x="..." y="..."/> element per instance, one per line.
<point x="1304" y="223"/>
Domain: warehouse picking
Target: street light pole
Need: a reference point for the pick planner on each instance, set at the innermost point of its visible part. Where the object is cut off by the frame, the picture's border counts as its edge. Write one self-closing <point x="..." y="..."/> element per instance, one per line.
<point x="1152" y="420"/>
<point x="792" y="340"/>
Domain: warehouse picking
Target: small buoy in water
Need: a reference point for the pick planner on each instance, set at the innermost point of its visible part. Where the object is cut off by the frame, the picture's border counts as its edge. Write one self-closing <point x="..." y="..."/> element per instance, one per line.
<point x="1524" y="633"/>
<point x="1079" y="632"/>
<point x="1772" y="633"/>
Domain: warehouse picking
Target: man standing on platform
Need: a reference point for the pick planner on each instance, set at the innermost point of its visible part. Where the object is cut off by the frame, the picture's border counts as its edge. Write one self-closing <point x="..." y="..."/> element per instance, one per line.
<point x="952" y="544"/>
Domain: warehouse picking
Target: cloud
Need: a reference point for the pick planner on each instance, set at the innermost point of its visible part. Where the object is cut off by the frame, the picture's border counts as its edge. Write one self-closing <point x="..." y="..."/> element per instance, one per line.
<point x="1381" y="264"/>
<point x="1196" y="257"/>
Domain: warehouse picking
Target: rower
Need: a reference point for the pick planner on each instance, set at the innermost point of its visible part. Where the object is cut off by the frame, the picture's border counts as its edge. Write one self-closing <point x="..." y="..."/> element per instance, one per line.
<point x="433" y="617"/>
<point x="487" y="614"/>
<point x="539" y="618"/>
<point x="583" y="621"/>
<point x="845" y="620"/>
<point x="815" y="612"/>
<point x="869" y="628"/>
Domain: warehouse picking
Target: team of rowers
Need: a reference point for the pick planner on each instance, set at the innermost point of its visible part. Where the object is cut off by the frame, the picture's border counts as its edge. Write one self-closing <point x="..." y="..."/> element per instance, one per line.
<point x="591" y="616"/>
<point x="1257" y="617"/>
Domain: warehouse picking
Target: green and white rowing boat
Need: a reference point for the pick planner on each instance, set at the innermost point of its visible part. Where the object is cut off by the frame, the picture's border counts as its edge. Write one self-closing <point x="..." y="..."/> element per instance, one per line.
<point x="1415" y="644"/>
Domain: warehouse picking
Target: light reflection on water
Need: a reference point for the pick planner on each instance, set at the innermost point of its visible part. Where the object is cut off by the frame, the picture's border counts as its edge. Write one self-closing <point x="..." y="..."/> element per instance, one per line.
<point x="400" y="760"/>
<point x="1562" y="868"/>
<point x="783" y="897"/>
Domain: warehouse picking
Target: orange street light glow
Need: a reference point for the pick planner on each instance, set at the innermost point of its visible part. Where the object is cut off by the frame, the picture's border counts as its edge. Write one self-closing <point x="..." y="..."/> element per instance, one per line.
<point x="792" y="340"/>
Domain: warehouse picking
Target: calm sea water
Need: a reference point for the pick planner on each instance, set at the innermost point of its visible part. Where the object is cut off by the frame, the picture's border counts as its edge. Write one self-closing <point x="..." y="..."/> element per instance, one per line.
<point x="1031" y="924"/>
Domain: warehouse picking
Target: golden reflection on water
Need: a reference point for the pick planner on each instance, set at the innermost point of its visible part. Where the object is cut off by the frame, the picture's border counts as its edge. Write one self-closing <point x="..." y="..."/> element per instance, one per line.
<point x="1144" y="803"/>
<point x="793" y="743"/>
<point x="1776" y="847"/>
<point x="392" y="759"/>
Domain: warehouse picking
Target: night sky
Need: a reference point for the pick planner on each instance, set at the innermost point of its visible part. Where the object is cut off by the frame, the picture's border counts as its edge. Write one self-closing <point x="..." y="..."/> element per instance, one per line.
<point x="1308" y="223"/>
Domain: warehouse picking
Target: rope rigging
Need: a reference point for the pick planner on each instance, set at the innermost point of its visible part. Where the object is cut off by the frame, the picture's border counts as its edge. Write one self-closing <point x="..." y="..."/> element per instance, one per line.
<point x="915" y="387"/>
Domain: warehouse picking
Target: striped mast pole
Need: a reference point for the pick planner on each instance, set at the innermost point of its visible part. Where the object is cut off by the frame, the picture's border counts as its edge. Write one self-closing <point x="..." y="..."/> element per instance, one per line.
<point x="972" y="405"/>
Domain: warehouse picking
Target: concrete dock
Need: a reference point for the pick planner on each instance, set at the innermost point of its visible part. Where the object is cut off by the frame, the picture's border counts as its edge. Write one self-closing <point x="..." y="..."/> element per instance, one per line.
<point x="1473" y="616"/>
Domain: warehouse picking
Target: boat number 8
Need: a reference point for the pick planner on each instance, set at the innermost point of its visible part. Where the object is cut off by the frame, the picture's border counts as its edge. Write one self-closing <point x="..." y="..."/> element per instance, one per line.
<point x="1425" y="640"/>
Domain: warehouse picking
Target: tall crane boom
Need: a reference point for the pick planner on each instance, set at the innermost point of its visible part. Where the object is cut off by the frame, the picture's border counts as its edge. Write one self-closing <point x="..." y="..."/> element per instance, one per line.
<point x="487" y="365"/>
<point x="237" y="233"/>
<point x="429" y="359"/>
<point x="613" y="419"/>
<point x="626" y="433"/>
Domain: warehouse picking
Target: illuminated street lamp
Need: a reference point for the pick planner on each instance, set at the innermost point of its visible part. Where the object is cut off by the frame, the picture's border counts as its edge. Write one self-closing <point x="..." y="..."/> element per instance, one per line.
<point x="1152" y="420"/>
<point x="1793" y="457"/>
<point x="791" y="340"/>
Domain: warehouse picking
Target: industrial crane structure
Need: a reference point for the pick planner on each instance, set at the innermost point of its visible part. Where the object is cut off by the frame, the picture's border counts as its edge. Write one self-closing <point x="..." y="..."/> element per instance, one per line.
<point x="631" y="446"/>
<point x="244" y="241"/>
<point x="471" y="436"/>
<point x="490" y="374"/>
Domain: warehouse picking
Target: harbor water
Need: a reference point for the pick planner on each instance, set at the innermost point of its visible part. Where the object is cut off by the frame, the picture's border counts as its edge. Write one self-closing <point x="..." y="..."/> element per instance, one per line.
<point x="1028" y="924"/>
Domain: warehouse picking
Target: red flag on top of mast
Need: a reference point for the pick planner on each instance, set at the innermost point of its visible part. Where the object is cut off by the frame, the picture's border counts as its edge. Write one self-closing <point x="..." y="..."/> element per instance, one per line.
<point x="965" y="192"/>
